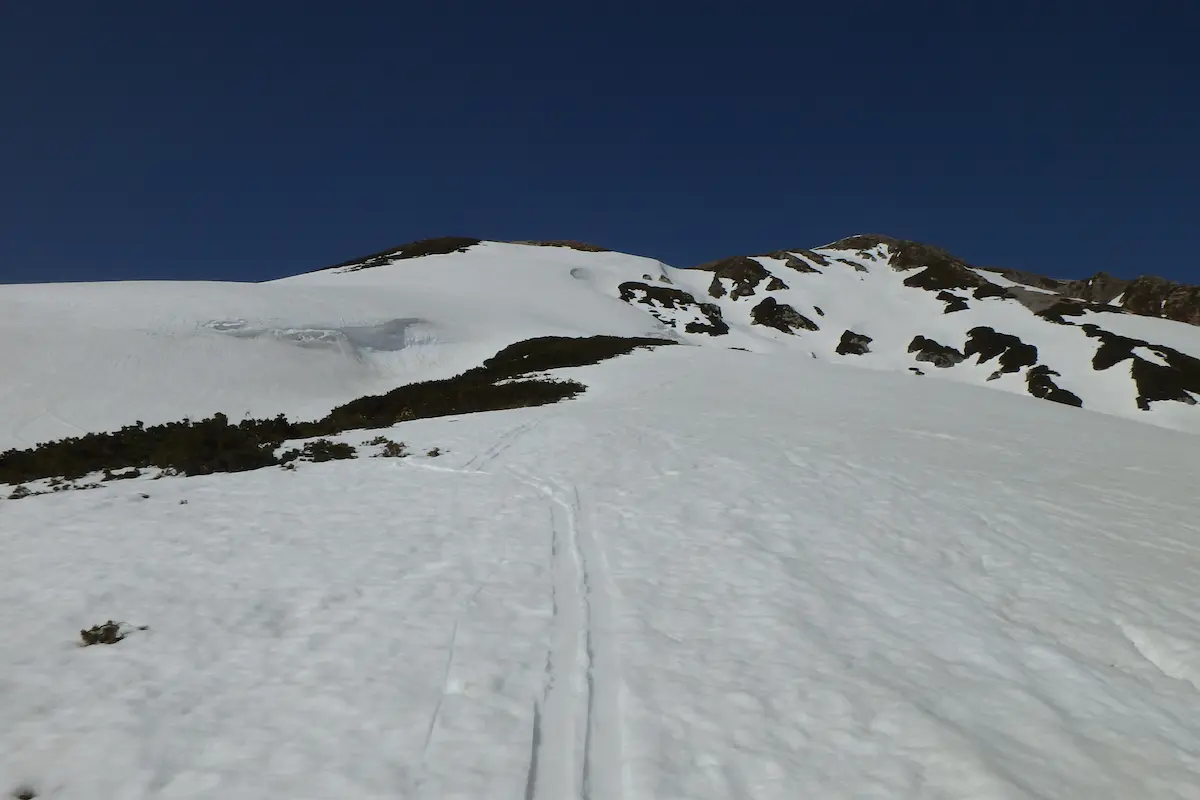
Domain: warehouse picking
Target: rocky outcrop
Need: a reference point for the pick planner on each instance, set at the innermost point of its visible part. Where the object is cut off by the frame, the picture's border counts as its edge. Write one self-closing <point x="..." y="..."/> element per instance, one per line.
<point x="1158" y="297"/>
<point x="744" y="272"/>
<point x="424" y="247"/>
<point x="854" y="344"/>
<point x="987" y="343"/>
<point x="953" y="302"/>
<point x="668" y="305"/>
<point x="1039" y="381"/>
<point x="940" y="355"/>
<point x="780" y="316"/>
<point x="1161" y="373"/>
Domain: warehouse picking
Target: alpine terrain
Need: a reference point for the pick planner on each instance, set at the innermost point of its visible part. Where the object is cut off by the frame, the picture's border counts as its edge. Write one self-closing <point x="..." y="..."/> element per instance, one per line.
<point x="474" y="519"/>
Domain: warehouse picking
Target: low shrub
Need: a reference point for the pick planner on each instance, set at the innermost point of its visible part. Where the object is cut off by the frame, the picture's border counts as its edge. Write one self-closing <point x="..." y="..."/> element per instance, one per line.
<point x="217" y="445"/>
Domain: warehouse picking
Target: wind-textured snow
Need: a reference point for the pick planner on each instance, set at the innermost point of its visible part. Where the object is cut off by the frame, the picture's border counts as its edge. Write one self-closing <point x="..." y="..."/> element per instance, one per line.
<point x="791" y="580"/>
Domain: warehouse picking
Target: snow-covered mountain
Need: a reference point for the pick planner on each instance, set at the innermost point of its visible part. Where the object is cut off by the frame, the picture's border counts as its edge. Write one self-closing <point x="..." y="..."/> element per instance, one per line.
<point x="714" y="574"/>
<point x="97" y="356"/>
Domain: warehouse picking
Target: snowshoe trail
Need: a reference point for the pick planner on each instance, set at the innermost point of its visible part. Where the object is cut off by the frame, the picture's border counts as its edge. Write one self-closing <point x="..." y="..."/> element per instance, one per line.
<point x="577" y="751"/>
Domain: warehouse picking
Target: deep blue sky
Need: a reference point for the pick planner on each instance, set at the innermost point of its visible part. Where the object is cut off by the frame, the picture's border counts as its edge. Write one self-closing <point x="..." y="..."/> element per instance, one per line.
<point x="251" y="140"/>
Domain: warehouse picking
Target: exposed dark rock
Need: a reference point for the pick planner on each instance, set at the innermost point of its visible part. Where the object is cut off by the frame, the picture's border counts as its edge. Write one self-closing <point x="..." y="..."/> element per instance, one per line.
<point x="945" y="275"/>
<point x="665" y="297"/>
<point x="1040" y="381"/>
<point x="1100" y="288"/>
<point x="990" y="290"/>
<point x="853" y="344"/>
<point x="1066" y="307"/>
<point x="953" y="302"/>
<point x="424" y="247"/>
<point x="988" y="344"/>
<point x="800" y="265"/>
<point x="857" y="267"/>
<point x="1158" y="297"/>
<point x="780" y="316"/>
<point x="915" y="371"/>
<point x="745" y="273"/>
<point x="774" y="285"/>
<point x="1027" y="278"/>
<point x="814" y="257"/>
<point x="571" y="243"/>
<point x="1178" y="381"/>
<point x="862" y="241"/>
<point x="940" y="355"/>
<point x="817" y="309"/>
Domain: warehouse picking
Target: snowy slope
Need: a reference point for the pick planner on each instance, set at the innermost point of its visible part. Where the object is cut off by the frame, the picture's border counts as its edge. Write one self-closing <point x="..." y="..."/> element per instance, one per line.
<point x="84" y="357"/>
<point x="715" y="575"/>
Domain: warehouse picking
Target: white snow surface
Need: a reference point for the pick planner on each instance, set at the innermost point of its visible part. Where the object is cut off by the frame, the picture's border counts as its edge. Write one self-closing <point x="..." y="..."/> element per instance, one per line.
<point x="714" y="575"/>
<point x="88" y="357"/>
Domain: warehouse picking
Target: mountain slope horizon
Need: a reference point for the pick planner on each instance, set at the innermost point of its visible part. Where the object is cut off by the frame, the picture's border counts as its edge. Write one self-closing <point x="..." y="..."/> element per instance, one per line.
<point x="156" y="351"/>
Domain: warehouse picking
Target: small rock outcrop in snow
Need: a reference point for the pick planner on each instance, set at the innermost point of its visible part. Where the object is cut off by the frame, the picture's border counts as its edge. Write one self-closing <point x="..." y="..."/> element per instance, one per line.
<point x="781" y="316"/>
<point x="854" y="344"/>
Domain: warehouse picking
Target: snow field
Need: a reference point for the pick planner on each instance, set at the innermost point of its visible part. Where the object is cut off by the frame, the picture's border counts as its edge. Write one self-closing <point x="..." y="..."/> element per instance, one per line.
<point x="767" y="586"/>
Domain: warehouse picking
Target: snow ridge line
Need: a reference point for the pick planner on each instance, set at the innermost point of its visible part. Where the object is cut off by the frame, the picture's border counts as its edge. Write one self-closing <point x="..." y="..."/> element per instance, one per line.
<point x="580" y="712"/>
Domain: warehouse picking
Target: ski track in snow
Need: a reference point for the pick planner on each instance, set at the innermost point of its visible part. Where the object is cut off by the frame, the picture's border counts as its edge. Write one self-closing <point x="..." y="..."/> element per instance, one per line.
<point x="747" y="583"/>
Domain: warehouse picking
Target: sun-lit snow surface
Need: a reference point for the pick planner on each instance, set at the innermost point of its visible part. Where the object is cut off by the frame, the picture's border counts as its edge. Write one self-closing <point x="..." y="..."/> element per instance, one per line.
<point x="96" y="356"/>
<point x="790" y="580"/>
<point x="87" y="357"/>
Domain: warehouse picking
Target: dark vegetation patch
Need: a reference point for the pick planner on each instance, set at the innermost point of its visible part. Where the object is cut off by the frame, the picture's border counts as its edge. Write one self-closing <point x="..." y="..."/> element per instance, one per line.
<point x="853" y="344"/>
<point x="988" y="344"/>
<point x="1176" y="381"/>
<point x="217" y="445"/>
<point x="780" y="316"/>
<point x="557" y="352"/>
<point x="388" y="448"/>
<point x="940" y="355"/>
<point x="109" y="633"/>
<point x="953" y="302"/>
<point x="425" y="247"/>
<point x="571" y="243"/>
<point x="1040" y="382"/>
<point x="125" y="475"/>
<point x="664" y="297"/>
<point x="318" y="451"/>
<point x="745" y="273"/>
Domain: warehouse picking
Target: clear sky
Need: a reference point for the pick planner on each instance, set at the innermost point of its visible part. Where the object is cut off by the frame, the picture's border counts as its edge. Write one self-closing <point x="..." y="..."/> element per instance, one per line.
<point x="257" y="139"/>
